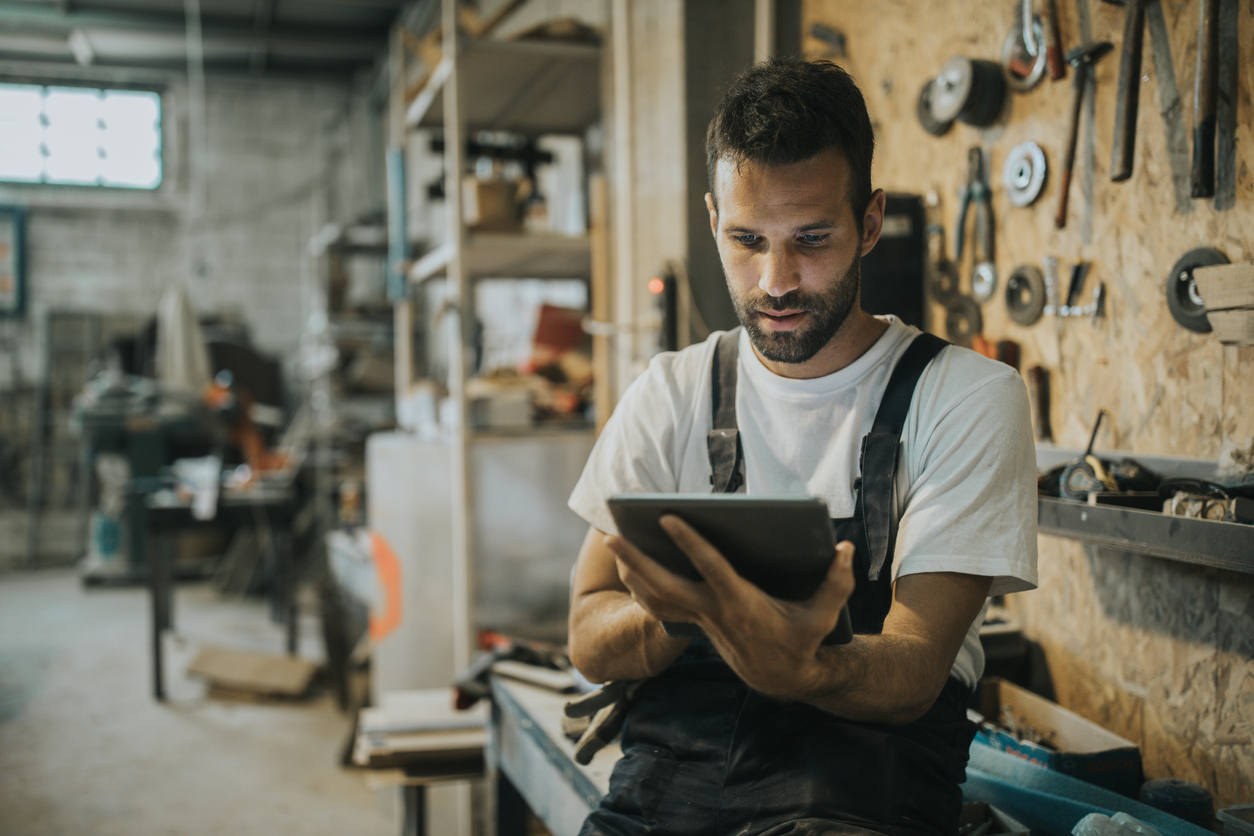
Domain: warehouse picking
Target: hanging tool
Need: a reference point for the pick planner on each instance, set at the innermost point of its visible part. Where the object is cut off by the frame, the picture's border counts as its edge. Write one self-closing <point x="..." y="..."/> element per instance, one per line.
<point x="1053" y="43"/>
<point x="1124" y="143"/>
<point x="1205" y="96"/>
<point x="1051" y="285"/>
<point x="983" y="271"/>
<point x="1081" y="59"/>
<point x="1023" y="51"/>
<point x="1183" y="299"/>
<point x="923" y="111"/>
<point x="942" y="274"/>
<point x="1038" y="395"/>
<point x="1023" y="174"/>
<point x="1025" y="295"/>
<point x="971" y="90"/>
<point x="1078" y="274"/>
<point x="963" y="320"/>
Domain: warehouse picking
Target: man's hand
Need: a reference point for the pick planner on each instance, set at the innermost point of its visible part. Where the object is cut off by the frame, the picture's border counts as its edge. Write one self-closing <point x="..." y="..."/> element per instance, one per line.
<point x="771" y="644"/>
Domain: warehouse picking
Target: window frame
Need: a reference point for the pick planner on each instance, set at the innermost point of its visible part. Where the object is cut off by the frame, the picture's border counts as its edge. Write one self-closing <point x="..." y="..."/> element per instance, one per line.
<point x="165" y="135"/>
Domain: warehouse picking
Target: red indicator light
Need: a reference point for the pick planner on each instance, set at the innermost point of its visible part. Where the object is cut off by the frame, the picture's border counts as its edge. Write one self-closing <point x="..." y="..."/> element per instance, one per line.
<point x="656" y="285"/>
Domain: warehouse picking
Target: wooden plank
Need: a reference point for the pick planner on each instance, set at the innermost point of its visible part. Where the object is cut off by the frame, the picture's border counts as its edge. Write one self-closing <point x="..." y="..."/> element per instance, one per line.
<point x="258" y="673"/>
<point x="1224" y="286"/>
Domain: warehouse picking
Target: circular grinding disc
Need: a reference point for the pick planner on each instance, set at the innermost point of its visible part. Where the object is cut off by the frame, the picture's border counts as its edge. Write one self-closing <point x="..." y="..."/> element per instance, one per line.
<point x="1183" y="300"/>
<point x="963" y="320"/>
<point x="952" y="89"/>
<point x="1023" y="174"/>
<point x="1025" y="295"/>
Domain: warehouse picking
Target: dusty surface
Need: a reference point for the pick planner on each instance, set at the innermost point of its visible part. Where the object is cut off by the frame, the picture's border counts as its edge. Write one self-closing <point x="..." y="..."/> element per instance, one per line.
<point x="85" y="749"/>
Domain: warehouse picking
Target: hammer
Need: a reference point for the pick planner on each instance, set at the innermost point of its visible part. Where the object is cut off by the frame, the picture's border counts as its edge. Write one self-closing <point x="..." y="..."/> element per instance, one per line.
<point x="1205" y="94"/>
<point x="1129" y="89"/>
<point x="1082" y="59"/>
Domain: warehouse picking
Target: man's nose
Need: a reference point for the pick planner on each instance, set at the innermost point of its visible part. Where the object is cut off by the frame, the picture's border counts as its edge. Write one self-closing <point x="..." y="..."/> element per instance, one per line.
<point x="779" y="272"/>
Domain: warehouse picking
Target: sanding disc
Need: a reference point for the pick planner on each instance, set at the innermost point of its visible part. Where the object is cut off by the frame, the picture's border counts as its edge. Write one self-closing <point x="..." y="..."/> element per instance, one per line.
<point x="1183" y="300"/>
<point x="1023" y="174"/>
<point x="1025" y="295"/>
<point x="963" y="320"/>
<point x="952" y="89"/>
<point x="943" y="281"/>
<point x="923" y="110"/>
<point x="983" y="281"/>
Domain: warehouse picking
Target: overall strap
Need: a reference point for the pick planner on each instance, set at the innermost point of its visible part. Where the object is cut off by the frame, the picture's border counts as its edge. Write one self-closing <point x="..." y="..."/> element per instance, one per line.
<point x="878" y="465"/>
<point x="723" y="442"/>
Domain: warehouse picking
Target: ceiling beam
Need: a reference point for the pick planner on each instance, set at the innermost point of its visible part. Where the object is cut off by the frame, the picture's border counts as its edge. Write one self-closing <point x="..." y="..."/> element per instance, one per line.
<point x="47" y="17"/>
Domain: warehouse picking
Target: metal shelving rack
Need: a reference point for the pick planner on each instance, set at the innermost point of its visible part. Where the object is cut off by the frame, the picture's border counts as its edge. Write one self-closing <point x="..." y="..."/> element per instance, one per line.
<point x="523" y="87"/>
<point x="1220" y="545"/>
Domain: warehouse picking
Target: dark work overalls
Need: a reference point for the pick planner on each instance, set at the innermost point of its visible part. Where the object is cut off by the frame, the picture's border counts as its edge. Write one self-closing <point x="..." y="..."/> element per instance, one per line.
<point x="704" y="754"/>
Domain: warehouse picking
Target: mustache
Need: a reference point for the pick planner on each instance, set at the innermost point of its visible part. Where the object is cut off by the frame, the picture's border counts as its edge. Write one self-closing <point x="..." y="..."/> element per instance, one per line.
<point x="793" y="300"/>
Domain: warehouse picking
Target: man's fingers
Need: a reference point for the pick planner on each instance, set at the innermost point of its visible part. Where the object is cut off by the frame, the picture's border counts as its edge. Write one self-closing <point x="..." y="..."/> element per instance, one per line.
<point x="720" y="575"/>
<point x="655" y="604"/>
<point x="653" y="586"/>
<point x="836" y="588"/>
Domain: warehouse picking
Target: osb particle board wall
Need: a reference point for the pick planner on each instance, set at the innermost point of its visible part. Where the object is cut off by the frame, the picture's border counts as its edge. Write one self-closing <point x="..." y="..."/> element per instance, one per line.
<point x="1161" y="652"/>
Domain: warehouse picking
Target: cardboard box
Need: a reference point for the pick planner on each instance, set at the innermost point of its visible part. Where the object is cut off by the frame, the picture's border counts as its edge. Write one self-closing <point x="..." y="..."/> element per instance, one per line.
<point x="491" y="205"/>
<point x="1056" y="738"/>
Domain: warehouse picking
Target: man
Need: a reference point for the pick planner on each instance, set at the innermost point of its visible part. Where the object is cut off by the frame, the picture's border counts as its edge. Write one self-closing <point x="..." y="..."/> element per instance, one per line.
<point x="760" y="728"/>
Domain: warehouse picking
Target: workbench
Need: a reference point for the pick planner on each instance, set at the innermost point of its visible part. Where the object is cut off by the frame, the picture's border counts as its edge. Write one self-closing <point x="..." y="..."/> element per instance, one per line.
<point x="270" y="508"/>
<point x="533" y="762"/>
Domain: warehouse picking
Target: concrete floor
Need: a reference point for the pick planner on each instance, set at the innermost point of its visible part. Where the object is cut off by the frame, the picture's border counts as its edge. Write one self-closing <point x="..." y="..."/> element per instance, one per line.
<point x="84" y="748"/>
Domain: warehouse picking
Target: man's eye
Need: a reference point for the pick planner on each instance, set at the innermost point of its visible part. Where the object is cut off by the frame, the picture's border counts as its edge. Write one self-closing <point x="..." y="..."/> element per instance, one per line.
<point x="815" y="238"/>
<point x="748" y="240"/>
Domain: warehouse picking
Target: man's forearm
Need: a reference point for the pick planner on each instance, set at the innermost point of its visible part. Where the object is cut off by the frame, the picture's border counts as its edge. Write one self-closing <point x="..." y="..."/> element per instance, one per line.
<point x="613" y="638"/>
<point x="878" y="679"/>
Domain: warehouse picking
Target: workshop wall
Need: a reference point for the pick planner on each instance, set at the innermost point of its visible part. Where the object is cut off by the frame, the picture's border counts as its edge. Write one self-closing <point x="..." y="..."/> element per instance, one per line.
<point x="282" y="157"/>
<point x="1160" y="652"/>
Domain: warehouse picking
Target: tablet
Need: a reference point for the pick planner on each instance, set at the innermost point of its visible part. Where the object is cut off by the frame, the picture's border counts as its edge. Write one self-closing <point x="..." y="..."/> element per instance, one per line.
<point x="783" y="545"/>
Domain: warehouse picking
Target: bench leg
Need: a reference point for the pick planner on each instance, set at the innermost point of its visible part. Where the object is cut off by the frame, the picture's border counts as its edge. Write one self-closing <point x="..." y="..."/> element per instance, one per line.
<point x="414" y="817"/>
<point x="512" y="812"/>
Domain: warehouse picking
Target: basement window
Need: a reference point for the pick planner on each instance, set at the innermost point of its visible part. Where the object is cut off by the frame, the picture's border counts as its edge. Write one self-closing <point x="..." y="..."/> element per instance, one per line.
<point x="79" y="136"/>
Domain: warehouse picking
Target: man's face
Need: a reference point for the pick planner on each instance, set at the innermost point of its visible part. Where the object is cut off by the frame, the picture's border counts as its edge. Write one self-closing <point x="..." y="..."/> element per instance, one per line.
<point x="791" y="251"/>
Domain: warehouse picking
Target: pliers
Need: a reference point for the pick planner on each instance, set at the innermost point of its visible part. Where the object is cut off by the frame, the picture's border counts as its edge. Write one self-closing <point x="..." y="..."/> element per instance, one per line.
<point x="976" y="190"/>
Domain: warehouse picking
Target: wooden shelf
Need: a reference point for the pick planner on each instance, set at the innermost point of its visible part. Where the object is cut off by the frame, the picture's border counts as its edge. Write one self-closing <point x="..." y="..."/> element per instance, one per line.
<point x="527" y="87"/>
<point x="511" y="256"/>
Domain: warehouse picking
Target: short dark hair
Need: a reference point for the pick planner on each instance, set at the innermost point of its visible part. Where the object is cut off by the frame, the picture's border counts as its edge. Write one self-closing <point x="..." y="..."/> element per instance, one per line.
<point x="785" y="111"/>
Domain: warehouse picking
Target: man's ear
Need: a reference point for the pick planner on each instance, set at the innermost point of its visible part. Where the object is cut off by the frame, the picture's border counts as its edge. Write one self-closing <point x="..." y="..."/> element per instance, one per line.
<point x="709" y="204"/>
<point x="873" y="221"/>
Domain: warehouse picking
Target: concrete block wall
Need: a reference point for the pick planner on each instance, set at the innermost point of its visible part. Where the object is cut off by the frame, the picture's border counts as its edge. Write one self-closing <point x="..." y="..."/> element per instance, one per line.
<point x="281" y="157"/>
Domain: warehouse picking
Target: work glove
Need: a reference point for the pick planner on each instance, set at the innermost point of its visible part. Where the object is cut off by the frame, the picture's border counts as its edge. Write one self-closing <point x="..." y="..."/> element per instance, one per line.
<point x="607" y="706"/>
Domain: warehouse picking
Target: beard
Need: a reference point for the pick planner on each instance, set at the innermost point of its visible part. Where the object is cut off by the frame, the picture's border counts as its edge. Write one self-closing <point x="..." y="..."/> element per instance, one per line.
<point x="827" y="312"/>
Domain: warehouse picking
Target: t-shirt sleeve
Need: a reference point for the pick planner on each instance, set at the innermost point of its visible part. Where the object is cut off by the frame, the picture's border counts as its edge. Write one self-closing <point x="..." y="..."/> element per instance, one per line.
<point x="637" y="447"/>
<point x="971" y="502"/>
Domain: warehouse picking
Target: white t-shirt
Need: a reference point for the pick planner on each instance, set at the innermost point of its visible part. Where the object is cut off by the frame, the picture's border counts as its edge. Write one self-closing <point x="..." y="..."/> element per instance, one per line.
<point x="966" y="474"/>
